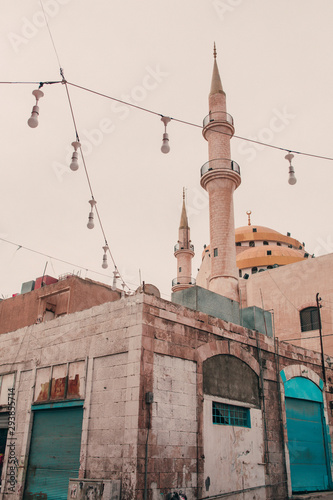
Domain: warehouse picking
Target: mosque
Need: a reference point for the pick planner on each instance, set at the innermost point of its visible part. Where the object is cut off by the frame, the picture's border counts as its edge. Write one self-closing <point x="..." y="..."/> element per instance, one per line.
<point x="224" y="392"/>
<point x="248" y="265"/>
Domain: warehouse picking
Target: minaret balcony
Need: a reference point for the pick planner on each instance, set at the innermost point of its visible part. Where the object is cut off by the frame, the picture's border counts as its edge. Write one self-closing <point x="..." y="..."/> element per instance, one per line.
<point x="220" y="164"/>
<point x="183" y="280"/>
<point x="178" y="247"/>
<point x="218" y="116"/>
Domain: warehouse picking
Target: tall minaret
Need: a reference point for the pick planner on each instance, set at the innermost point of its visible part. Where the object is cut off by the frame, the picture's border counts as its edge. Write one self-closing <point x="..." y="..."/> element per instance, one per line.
<point x="220" y="176"/>
<point x="184" y="253"/>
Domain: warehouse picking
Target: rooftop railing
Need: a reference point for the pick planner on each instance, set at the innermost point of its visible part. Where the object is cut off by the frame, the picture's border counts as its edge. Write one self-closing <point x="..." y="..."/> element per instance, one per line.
<point x="218" y="116"/>
<point x="220" y="164"/>
<point x="178" y="247"/>
<point x="183" y="280"/>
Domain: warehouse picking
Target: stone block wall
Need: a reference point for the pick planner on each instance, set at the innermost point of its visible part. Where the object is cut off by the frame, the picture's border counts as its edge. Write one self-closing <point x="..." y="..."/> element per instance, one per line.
<point x="143" y="344"/>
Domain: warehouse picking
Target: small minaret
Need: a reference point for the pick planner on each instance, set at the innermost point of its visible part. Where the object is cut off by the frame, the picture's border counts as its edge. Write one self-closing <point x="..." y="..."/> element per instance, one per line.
<point x="220" y="176"/>
<point x="184" y="253"/>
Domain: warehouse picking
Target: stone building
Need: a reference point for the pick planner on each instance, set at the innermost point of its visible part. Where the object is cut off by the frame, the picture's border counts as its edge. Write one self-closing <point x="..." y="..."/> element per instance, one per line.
<point x="151" y="395"/>
<point x="112" y="396"/>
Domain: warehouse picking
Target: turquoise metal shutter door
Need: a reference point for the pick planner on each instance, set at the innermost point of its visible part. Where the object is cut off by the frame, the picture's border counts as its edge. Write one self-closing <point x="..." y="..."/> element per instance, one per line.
<point x="54" y="453"/>
<point x="308" y="462"/>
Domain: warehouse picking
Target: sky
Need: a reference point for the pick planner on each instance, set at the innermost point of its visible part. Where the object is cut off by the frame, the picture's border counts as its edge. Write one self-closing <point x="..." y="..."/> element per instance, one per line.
<point x="276" y="65"/>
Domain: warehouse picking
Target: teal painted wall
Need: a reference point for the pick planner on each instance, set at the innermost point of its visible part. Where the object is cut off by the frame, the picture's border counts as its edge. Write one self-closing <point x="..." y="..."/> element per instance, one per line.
<point x="309" y="453"/>
<point x="208" y="302"/>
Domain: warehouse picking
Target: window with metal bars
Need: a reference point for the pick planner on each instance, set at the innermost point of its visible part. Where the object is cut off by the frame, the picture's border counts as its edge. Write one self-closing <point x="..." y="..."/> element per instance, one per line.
<point x="225" y="414"/>
<point x="309" y="319"/>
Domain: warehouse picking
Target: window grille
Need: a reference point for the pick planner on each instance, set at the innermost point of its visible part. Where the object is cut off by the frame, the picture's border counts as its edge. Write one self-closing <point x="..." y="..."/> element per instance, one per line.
<point x="225" y="414"/>
<point x="309" y="319"/>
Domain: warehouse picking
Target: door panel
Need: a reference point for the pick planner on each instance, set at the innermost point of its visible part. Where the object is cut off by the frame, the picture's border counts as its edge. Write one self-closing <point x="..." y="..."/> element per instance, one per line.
<point x="54" y="453"/>
<point x="308" y="462"/>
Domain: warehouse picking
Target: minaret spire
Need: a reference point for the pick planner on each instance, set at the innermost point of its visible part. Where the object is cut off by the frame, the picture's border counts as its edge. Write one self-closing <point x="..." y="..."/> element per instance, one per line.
<point x="184" y="252"/>
<point x="216" y="85"/>
<point x="183" y="219"/>
<point x="220" y="176"/>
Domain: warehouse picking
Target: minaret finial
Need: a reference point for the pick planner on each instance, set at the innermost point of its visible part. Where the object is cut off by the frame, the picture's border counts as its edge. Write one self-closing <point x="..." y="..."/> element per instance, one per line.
<point x="216" y="85"/>
<point x="249" y="217"/>
<point x="183" y="193"/>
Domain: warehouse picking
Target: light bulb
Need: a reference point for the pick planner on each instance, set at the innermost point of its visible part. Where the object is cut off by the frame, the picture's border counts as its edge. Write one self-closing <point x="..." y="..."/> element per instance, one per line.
<point x="165" y="144"/>
<point x="33" y="120"/>
<point x="105" y="258"/>
<point x="115" y="276"/>
<point x="292" y="179"/>
<point x="91" y="224"/>
<point x="75" y="164"/>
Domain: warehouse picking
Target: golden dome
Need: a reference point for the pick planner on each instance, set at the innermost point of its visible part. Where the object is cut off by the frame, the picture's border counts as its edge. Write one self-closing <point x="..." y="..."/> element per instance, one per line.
<point x="262" y="233"/>
<point x="268" y="255"/>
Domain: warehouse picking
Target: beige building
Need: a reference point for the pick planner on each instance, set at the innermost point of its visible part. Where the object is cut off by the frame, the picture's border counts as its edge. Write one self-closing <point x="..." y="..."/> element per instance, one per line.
<point x="276" y="273"/>
<point x="108" y="396"/>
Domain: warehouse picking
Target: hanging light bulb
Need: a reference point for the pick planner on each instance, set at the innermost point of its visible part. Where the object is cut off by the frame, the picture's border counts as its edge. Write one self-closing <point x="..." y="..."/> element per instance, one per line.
<point x="115" y="276"/>
<point x="165" y="143"/>
<point x="292" y="179"/>
<point x="33" y="120"/>
<point x="91" y="224"/>
<point x="75" y="164"/>
<point x="105" y="264"/>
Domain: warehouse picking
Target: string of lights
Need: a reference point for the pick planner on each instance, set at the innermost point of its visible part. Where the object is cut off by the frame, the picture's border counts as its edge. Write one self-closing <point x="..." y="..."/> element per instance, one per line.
<point x="19" y="247"/>
<point x="77" y="266"/>
<point x="288" y="150"/>
<point x="184" y="122"/>
<point x="33" y="122"/>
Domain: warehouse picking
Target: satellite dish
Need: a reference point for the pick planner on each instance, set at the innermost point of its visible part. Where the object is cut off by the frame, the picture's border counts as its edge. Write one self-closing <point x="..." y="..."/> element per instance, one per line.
<point x="148" y="289"/>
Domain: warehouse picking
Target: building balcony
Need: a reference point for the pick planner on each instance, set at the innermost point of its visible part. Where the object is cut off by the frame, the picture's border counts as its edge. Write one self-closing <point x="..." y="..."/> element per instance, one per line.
<point x="178" y="247"/>
<point x="183" y="280"/>
<point x="218" y="116"/>
<point x="220" y="164"/>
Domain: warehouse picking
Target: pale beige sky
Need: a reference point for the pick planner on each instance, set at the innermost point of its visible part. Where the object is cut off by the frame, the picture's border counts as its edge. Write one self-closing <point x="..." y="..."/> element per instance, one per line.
<point x="275" y="60"/>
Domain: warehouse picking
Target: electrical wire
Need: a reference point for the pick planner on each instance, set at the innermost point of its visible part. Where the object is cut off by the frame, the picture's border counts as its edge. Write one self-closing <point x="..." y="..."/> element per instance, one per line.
<point x="31" y="83"/>
<point x="88" y="178"/>
<point x="54" y="258"/>
<point x="66" y="83"/>
<point x="48" y="28"/>
<point x="78" y="140"/>
<point x="307" y="338"/>
<point x="199" y="126"/>
<point x="178" y="120"/>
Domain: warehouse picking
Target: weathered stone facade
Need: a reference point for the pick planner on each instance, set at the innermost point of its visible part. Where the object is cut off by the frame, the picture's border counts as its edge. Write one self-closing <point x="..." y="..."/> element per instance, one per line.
<point x="142" y="344"/>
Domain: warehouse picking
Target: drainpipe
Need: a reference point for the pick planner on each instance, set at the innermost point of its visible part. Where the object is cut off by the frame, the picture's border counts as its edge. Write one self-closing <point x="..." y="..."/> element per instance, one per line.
<point x="263" y="399"/>
<point x="149" y="401"/>
<point x="321" y="339"/>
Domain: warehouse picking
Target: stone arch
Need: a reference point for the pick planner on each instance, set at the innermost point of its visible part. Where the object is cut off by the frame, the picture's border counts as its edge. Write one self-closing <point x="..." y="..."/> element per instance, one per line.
<point x="227" y="347"/>
<point x="292" y="371"/>
<point x="228" y="377"/>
